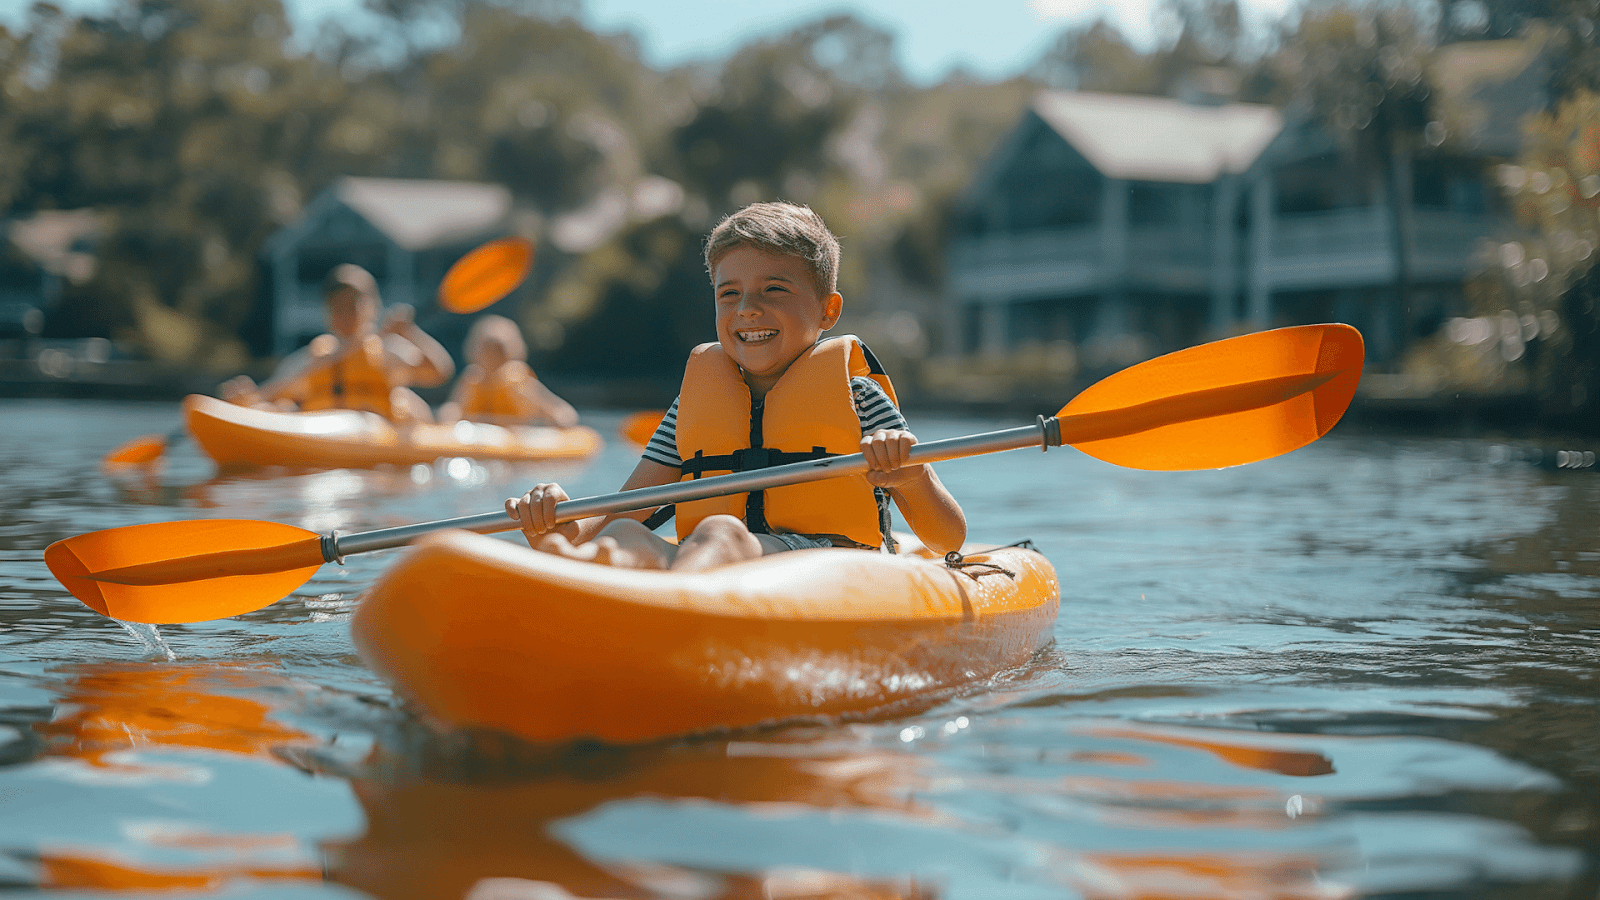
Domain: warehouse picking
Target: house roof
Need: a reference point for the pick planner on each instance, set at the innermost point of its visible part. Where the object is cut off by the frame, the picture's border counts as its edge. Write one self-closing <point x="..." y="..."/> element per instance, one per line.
<point x="419" y="213"/>
<point x="51" y="239"/>
<point x="1159" y="139"/>
<point x="1483" y="90"/>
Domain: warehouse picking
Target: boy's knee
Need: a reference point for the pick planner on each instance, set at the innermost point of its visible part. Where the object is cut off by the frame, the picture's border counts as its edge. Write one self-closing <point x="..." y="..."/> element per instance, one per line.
<point x="721" y="524"/>
<point x="724" y="529"/>
<point x="406" y="405"/>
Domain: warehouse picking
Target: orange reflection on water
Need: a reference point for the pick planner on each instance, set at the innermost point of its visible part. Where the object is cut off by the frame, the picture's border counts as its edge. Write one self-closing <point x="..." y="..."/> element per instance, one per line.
<point x="461" y="831"/>
<point x="416" y="844"/>
<point x="1240" y="749"/>
<point x="1216" y="875"/>
<point x="142" y="706"/>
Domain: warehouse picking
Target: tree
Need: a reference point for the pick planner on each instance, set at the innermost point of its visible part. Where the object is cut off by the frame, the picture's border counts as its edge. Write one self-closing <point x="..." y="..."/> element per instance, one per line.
<point x="1545" y="291"/>
<point x="1096" y="58"/>
<point x="1362" y="72"/>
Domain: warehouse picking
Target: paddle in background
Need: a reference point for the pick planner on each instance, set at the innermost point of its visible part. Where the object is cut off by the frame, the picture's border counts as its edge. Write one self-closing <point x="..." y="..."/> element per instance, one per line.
<point x="486" y="275"/>
<point x="1221" y="404"/>
<point x="638" y="427"/>
<point x="474" y="282"/>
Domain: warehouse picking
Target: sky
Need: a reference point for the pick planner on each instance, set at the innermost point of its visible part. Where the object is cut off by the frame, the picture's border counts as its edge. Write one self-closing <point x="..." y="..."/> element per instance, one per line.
<point x="987" y="38"/>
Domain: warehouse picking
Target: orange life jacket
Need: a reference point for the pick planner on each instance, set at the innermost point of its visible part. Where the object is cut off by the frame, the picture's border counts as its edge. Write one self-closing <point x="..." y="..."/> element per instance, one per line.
<point x="487" y="396"/>
<point x="808" y="414"/>
<point x="360" y="380"/>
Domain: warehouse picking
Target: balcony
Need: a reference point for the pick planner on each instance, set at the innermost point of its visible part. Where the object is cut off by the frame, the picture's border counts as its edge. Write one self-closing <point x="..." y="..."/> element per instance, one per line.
<point x="1354" y="247"/>
<point x="1072" y="261"/>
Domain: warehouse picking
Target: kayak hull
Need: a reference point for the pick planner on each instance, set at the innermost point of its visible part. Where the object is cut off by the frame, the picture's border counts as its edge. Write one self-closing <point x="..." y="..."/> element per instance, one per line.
<point x="240" y="436"/>
<point x="475" y="632"/>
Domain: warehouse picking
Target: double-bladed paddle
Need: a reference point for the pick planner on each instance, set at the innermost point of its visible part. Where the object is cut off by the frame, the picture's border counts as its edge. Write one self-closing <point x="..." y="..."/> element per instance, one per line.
<point x="1221" y="404"/>
<point x="481" y="278"/>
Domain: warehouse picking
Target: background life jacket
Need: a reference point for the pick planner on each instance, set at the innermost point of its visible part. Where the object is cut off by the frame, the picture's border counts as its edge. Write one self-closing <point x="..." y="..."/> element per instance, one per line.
<point x="808" y="414"/>
<point x="498" y="394"/>
<point x="359" y="380"/>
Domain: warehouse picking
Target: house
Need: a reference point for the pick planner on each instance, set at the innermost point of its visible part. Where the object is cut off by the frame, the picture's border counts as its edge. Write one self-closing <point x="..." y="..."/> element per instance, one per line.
<point x="406" y="232"/>
<point x="1104" y="217"/>
<point x="1122" y="227"/>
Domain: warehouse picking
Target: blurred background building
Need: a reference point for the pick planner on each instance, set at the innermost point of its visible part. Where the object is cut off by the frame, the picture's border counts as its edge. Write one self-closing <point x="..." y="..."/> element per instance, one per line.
<point x="1428" y="173"/>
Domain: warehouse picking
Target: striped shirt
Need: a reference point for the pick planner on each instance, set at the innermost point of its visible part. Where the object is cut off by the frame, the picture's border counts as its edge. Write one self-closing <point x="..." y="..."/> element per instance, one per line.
<point x="873" y="407"/>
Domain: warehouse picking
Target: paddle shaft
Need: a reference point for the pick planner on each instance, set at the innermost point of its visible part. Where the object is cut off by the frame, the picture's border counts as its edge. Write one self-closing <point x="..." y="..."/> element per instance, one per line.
<point x="1043" y="434"/>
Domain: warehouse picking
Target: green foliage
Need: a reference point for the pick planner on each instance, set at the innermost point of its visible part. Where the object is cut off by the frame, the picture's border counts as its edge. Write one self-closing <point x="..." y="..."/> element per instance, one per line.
<point x="1548" y="284"/>
<point x="198" y="128"/>
<point x="1362" y="70"/>
<point x="1097" y="58"/>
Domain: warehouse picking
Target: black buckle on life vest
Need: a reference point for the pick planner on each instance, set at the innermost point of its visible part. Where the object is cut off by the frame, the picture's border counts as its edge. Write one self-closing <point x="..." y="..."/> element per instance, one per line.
<point x="753" y="458"/>
<point x="747" y="459"/>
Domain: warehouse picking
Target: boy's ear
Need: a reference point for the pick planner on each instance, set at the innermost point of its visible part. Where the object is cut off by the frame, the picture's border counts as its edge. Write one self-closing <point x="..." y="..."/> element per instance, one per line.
<point x="832" y="309"/>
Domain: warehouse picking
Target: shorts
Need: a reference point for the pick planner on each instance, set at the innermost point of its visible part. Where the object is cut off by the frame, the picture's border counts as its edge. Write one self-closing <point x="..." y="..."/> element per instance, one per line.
<point x="792" y="541"/>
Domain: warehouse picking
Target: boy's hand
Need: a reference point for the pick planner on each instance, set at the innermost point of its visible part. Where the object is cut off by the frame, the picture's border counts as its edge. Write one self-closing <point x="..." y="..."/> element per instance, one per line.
<point x="886" y="451"/>
<point x="240" y="389"/>
<point x="535" y="512"/>
<point x="399" y="317"/>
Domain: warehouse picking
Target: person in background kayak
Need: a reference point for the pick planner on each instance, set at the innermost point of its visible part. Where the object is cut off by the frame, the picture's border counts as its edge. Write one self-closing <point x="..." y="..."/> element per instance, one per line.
<point x="498" y="386"/>
<point x="357" y="365"/>
<point x="769" y="392"/>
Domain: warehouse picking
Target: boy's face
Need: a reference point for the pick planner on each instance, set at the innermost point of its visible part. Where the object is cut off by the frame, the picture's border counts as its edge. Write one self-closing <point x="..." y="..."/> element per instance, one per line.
<point x="491" y="355"/>
<point x="351" y="313"/>
<point x="769" y="311"/>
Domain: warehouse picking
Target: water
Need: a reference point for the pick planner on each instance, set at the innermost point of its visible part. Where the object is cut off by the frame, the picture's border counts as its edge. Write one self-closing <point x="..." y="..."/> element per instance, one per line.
<point x="1367" y="668"/>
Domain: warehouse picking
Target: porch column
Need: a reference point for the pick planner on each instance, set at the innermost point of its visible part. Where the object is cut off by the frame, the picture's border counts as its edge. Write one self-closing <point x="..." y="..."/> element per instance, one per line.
<point x="993" y="326"/>
<point x="1112" y="320"/>
<point x="1261" y="224"/>
<point x="1224" y="254"/>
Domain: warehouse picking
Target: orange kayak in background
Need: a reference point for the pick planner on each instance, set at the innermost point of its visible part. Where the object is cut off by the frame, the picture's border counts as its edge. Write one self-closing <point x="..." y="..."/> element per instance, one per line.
<point x="234" y="435"/>
<point x="475" y="632"/>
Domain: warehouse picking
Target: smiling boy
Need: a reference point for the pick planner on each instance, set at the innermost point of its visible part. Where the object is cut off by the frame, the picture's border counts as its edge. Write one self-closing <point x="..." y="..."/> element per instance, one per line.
<point x="768" y="392"/>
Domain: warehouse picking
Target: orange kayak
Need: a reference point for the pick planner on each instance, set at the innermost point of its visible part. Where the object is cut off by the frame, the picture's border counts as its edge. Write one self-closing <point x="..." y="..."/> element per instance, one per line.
<point x="235" y="435"/>
<point x="478" y="632"/>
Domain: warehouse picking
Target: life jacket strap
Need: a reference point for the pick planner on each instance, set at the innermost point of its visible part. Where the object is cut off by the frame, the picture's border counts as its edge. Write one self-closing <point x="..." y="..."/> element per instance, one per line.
<point x="747" y="459"/>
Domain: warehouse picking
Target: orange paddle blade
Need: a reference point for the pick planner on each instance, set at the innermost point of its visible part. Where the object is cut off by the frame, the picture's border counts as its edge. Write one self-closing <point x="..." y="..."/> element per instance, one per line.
<point x="639" y="426"/>
<point x="163" y="572"/>
<point x="1221" y="404"/>
<point x="486" y="275"/>
<point x="144" y="449"/>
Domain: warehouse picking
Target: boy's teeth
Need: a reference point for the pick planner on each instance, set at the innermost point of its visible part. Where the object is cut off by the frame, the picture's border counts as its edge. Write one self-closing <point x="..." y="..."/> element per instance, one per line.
<point x="748" y="336"/>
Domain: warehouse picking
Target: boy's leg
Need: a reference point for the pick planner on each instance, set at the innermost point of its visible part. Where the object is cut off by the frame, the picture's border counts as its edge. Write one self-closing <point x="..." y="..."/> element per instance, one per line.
<point x="623" y="542"/>
<point x="407" y="405"/>
<point x="717" y="541"/>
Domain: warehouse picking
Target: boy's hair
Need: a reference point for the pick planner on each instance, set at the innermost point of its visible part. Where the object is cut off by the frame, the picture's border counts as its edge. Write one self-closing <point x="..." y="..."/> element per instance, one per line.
<point x="499" y="330"/>
<point x="786" y="228"/>
<point x="350" y="276"/>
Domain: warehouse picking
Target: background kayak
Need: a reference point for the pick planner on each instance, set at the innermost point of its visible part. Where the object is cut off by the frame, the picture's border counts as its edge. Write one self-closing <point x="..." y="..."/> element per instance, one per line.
<point x="235" y="435"/>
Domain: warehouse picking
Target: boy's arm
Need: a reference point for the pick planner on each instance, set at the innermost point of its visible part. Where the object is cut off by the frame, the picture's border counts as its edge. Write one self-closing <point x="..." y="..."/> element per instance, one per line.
<point x="427" y="362"/>
<point x="450" y="410"/>
<point x="535" y="510"/>
<point x="287" y="381"/>
<point x="543" y="404"/>
<point x="928" y="508"/>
